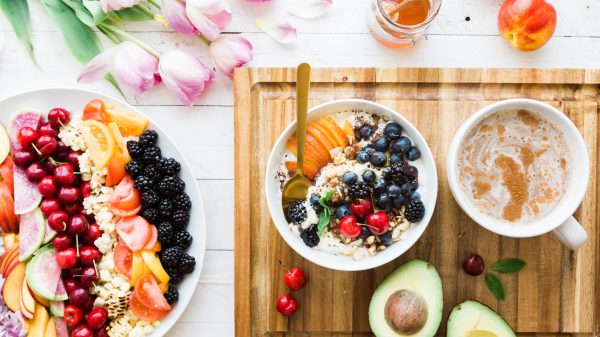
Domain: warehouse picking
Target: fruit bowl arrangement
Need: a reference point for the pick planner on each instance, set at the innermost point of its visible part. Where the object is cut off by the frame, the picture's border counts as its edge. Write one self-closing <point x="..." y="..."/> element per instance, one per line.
<point x="103" y="230"/>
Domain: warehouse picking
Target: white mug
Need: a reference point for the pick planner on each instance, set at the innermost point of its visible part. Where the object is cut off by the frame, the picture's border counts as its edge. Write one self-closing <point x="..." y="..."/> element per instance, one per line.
<point x="560" y="219"/>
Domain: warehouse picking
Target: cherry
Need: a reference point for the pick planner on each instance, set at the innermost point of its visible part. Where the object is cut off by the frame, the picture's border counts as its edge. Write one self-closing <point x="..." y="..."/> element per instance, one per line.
<point x="102" y="333"/>
<point x="286" y="305"/>
<point x="68" y="194"/>
<point x="23" y="157"/>
<point x="88" y="255"/>
<point x="74" y="208"/>
<point x="46" y="145"/>
<point x="97" y="318"/>
<point x="93" y="233"/>
<point x="62" y="241"/>
<point x="295" y="278"/>
<point x="86" y="189"/>
<point x="74" y="272"/>
<point x="89" y="276"/>
<point x="82" y="330"/>
<point x="47" y="187"/>
<point x="58" y="117"/>
<point x="62" y="150"/>
<point x="473" y="265"/>
<point x="348" y="227"/>
<point x="64" y="174"/>
<point x="45" y="129"/>
<point x="58" y="221"/>
<point x="361" y="207"/>
<point x="77" y="224"/>
<point x="48" y="206"/>
<point x="73" y="315"/>
<point x="67" y="258"/>
<point x="49" y="165"/>
<point x="35" y="172"/>
<point x="378" y="222"/>
<point x="26" y="136"/>
<point x="73" y="158"/>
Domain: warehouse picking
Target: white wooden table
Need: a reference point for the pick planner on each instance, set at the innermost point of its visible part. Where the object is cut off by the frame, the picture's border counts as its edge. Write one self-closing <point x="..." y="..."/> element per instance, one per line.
<point x="464" y="35"/>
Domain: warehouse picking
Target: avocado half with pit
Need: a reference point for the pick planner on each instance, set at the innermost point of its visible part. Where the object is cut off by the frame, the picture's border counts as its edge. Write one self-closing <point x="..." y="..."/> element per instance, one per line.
<point x="408" y="302"/>
<point x="473" y="319"/>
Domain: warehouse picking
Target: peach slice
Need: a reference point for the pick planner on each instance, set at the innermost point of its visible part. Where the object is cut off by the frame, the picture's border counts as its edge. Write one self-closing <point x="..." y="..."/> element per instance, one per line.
<point x="313" y="131"/>
<point x="13" y="286"/>
<point x="336" y="130"/>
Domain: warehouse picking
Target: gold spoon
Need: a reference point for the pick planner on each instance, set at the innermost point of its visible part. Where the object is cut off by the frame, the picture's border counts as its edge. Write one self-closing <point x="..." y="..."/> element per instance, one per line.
<point x="297" y="187"/>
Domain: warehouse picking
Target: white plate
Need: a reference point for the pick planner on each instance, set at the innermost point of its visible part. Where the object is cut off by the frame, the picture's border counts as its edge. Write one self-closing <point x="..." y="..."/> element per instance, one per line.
<point x="75" y="99"/>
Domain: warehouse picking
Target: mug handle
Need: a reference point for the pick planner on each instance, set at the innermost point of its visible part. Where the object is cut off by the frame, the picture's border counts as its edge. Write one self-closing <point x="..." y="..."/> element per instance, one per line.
<point x="571" y="233"/>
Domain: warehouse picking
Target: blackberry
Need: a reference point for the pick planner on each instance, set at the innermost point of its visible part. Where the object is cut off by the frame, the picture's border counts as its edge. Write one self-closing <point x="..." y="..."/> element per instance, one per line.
<point x="151" y="214"/>
<point x="414" y="211"/>
<point x="165" y="208"/>
<point x="143" y="183"/>
<point x="187" y="264"/>
<point x="135" y="149"/>
<point x="180" y="219"/>
<point x="359" y="190"/>
<point x="148" y="138"/>
<point x="297" y="212"/>
<point x="397" y="172"/>
<point x="168" y="166"/>
<point x="134" y="168"/>
<point x="170" y="186"/>
<point x="172" y="295"/>
<point x="151" y="172"/>
<point x="182" y="202"/>
<point x="165" y="234"/>
<point x="310" y="236"/>
<point x="149" y="199"/>
<point x="170" y="258"/>
<point x="183" y="239"/>
<point x="151" y="154"/>
<point x="175" y="278"/>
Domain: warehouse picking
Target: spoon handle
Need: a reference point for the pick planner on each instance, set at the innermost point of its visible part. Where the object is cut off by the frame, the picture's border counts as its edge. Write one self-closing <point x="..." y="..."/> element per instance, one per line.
<point x="302" y="86"/>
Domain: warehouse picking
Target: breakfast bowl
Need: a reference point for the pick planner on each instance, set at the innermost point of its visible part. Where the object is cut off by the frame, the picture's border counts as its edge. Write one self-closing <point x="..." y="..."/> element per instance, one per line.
<point x="357" y="175"/>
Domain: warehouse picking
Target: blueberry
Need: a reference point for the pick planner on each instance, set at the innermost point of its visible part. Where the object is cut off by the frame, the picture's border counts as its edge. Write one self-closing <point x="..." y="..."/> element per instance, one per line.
<point x="413" y="153"/>
<point x="411" y="173"/>
<point x="381" y="144"/>
<point x="394" y="190"/>
<point x="378" y="159"/>
<point x="363" y="157"/>
<point x="398" y="201"/>
<point x="365" y="232"/>
<point x="401" y="145"/>
<point x="369" y="150"/>
<point x="415" y="195"/>
<point x="385" y="173"/>
<point x="406" y="188"/>
<point x="386" y="238"/>
<point x="384" y="202"/>
<point x="380" y="185"/>
<point x="349" y="178"/>
<point x="342" y="210"/>
<point x="414" y="185"/>
<point x="392" y="130"/>
<point x="395" y="158"/>
<point x="369" y="176"/>
<point x="314" y="202"/>
<point x="365" y="131"/>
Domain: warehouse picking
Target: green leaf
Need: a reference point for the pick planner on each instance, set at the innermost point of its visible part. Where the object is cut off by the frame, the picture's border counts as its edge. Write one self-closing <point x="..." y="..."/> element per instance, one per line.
<point x="509" y="265"/>
<point x="88" y="11"/>
<point x="495" y="286"/>
<point x="325" y="217"/>
<point x="134" y="13"/>
<point x="17" y="14"/>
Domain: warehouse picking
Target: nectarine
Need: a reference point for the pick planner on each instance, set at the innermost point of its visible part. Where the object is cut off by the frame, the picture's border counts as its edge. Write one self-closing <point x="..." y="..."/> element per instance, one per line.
<point x="527" y="24"/>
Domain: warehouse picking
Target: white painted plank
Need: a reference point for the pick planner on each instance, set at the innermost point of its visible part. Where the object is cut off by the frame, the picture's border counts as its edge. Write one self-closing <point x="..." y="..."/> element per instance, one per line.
<point x="218" y="205"/>
<point x="218" y="267"/>
<point x="209" y="313"/>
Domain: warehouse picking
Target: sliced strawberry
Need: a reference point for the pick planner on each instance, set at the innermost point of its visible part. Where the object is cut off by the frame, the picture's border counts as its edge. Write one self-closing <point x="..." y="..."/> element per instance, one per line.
<point x="134" y="231"/>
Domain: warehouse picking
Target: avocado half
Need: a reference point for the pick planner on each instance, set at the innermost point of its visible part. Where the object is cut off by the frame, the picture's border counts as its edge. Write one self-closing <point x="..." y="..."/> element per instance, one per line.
<point x="473" y="319"/>
<point x="408" y="302"/>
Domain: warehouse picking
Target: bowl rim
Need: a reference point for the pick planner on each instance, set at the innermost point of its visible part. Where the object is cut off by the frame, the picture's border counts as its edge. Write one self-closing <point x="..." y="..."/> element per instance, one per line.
<point x="274" y="202"/>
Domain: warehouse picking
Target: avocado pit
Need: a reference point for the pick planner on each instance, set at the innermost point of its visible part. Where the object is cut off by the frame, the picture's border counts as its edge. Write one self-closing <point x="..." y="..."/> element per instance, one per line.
<point x="406" y="312"/>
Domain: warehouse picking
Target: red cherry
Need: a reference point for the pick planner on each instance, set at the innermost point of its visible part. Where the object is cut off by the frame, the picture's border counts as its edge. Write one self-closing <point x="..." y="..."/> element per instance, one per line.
<point x="47" y="187"/>
<point x="23" y="157"/>
<point x="71" y="284"/>
<point x="102" y="333"/>
<point x="35" y="172"/>
<point x="295" y="278"/>
<point x="26" y="136"/>
<point x="286" y="305"/>
<point x="68" y="194"/>
<point x="88" y="255"/>
<point x="48" y="206"/>
<point x="73" y="315"/>
<point x="74" y="272"/>
<point x="97" y="318"/>
<point x="64" y="174"/>
<point x="62" y="150"/>
<point x="82" y="331"/>
<point x="58" y="221"/>
<point x="67" y="258"/>
<point x="73" y="209"/>
<point x="361" y="207"/>
<point x="77" y="224"/>
<point x="45" y="129"/>
<point x="58" y="117"/>
<point x="378" y="222"/>
<point x="348" y="227"/>
<point x="93" y="233"/>
<point x="73" y="159"/>
<point x="473" y="265"/>
<point x="49" y="165"/>
<point x="86" y="189"/>
<point x="89" y="277"/>
<point x="78" y="296"/>
<point x="46" y="145"/>
<point x="62" y="241"/>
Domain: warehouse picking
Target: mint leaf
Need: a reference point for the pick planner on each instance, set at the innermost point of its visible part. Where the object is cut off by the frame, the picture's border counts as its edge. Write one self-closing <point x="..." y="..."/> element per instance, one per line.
<point x="509" y="265"/>
<point x="325" y="217"/>
<point x="495" y="286"/>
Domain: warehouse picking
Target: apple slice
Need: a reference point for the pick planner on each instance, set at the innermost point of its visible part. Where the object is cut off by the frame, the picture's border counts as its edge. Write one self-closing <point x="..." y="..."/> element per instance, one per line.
<point x="4" y="144"/>
<point x="7" y="259"/>
<point x="27" y="300"/>
<point x="50" y="328"/>
<point x="37" y="326"/>
<point x="11" y="264"/>
<point x="12" y="287"/>
<point x="24" y="312"/>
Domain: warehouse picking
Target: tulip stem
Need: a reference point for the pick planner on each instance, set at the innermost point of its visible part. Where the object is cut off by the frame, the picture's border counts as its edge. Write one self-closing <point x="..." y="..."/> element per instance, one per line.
<point x="110" y="35"/>
<point x="146" y="10"/>
<point x="131" y="38"/>
<point x="154" y="3"/>
<point x="203" y="39"/>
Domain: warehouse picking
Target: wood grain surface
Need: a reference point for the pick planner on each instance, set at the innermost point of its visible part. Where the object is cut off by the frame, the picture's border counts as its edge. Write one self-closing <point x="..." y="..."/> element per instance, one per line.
<point x="556" y="293"/>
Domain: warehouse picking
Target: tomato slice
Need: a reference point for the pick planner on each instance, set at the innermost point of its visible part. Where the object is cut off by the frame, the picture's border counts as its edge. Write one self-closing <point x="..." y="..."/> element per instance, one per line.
<point x="152" y="238"/>
<point x="134" y="231"/>
<point x="149" y="294"/>
<point x="123" y="258"/>
<point x="100" y="142"/>
<point x="116" y="171"/>
<point x="144" y="313"/>
<point x="125" y="200"/>
<point x="96" y="110"/>
<point x="124" y="214"/>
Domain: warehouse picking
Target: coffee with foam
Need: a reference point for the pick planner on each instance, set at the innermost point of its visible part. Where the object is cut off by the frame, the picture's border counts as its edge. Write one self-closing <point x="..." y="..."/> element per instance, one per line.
<point x="514" y="166"/>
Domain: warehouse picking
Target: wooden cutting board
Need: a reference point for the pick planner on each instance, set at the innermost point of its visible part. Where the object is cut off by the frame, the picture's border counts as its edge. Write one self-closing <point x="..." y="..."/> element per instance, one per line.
<point x="558" y="291"/>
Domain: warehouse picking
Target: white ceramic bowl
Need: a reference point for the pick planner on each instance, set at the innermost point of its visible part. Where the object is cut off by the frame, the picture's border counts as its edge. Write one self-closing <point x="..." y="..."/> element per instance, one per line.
<point x="428" y="187"/>
<point x="75" y="99"/>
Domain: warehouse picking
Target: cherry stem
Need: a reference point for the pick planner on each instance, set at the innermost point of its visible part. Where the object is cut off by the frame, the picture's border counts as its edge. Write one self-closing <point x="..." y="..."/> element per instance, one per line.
<point x="77" y="244"/>
<point x="65" y="227"/>
<point x="36" y="149"/>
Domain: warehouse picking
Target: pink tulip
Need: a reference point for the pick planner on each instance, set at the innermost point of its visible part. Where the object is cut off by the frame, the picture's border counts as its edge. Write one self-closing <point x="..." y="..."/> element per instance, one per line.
<point x="229" y="52"/>
<point x="130" y="64"/>
<point x="174" y="12"/>
<point x="184" y="75"/>
<point x="115" y="5"/>
<point x="209" y="16"/>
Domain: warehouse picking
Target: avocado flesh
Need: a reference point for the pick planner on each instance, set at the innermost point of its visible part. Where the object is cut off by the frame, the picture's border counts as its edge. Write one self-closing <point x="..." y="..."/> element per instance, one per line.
<point x="419" y="277"/>
<point x="473" y="319"/>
